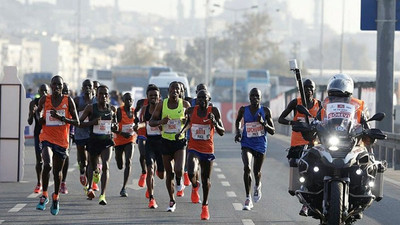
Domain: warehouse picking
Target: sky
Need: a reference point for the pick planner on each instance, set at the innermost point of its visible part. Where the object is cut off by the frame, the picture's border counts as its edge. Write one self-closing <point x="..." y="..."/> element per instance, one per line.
<point x="300" y="9"/>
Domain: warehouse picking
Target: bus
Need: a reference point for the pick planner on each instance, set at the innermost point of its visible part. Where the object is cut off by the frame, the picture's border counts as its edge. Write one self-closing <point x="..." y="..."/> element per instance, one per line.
<point x="259" y="79"/>
<point x="34" y="80"/>
<point x="165" y="78"/>
<point x="104" y="77"/>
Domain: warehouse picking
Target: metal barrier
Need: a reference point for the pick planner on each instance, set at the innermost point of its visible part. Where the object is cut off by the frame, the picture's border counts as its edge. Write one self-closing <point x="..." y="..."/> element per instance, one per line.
<point x="389" y="150"/>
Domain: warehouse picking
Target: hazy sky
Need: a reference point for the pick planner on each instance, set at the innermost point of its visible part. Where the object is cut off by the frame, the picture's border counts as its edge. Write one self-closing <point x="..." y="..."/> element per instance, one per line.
<point x="303" y="9"/>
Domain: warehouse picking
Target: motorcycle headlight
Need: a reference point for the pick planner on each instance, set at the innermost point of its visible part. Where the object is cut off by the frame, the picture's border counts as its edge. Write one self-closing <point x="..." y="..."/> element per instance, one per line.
<point x="333" y="143"/>
<point x="371" y="184"/>
<point x="302" y="179"/>
<point x="316" y="169"/>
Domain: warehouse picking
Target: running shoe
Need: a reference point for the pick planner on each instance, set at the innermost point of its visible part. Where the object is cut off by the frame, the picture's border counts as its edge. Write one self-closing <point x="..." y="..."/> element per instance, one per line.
<point x="195" y="193"/>
<point x="95" y="187"/>
<point x="186" y="180"/>
<point x="179" y="187"/>
<point x="303" y="211"/>
<point x="55" y="206"/>
<point x="37" y="189"/>
<point x="153" y="204"/>
<point x="248" y="204"/>
<point x="123" y="193"/>
<point x="147" y="194"/>
<point x="142" y="180"/>
<point x="83" y="179"/>
<point x="257" y="193"/>
<point x="102" y="200"/>
<point x="90" y="194"/>
<point x="181" y="193"/>
<point x="42" y="203"/>
<point x="63" y="188"/>
<point x="205" y="215"/>
<point x="171" y="207"/>
<point x="96" y="176"/>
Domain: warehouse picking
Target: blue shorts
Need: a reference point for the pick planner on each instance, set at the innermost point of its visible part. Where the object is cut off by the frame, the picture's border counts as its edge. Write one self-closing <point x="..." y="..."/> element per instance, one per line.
<point x="202" y="156"/>
<point x="60" y="151"/>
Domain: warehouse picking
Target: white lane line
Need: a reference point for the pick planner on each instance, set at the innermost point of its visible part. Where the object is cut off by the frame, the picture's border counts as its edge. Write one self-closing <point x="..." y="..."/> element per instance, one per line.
<point x="215" y="164"/>
<point x="71" y="170"/>
<point x="17" y="207"/>
<point x="225" y="183"/>
<point x="221" y="176"/>
<point x="34" y="195"/>
<point x="1" y="221"/>
<point x="247" y="222"/>
<point x="231" y="194"/>
<point x="135" y="185"/>
<point x="217" y="169"/>
<point x="392" y="181"/>
<point x="237" y="206"/>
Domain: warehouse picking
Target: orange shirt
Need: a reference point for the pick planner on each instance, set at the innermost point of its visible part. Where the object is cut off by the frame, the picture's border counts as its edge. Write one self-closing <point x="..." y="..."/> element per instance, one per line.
<point x="125" y="125"/>
<point x="56" y="131"/>
<point x="142" y="131"/>
<point x="297" y="139"/>
<point x="201" y="133"/>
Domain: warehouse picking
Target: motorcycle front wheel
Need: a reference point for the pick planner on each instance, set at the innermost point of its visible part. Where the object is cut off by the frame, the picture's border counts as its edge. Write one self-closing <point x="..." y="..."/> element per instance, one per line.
<point x="335" y="204"/>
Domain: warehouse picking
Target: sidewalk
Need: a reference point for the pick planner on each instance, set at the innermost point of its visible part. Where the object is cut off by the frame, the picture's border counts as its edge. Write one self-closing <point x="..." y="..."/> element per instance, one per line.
<point x="390" y="175"/>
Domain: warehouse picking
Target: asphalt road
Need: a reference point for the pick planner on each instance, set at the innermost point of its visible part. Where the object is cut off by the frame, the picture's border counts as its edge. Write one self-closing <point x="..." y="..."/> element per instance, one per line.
<point x="18" y="203"/>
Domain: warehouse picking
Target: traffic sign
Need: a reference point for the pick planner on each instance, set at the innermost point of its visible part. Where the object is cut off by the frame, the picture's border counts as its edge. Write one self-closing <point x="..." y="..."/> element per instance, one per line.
<point x="369" y="14"/>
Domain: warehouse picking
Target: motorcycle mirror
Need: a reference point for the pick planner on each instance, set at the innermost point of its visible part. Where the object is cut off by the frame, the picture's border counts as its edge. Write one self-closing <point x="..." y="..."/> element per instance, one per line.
<point x="377" y="117"/>
<point x="303" y="110"/>
<point x="376" y="134"/>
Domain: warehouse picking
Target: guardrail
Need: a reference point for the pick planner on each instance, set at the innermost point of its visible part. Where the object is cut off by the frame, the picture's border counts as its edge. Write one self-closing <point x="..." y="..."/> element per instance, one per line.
<point x="389" y="150"/>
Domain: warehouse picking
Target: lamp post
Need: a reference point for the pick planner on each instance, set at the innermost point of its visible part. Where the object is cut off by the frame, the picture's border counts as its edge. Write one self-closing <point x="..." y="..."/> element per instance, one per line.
<point x="235" y="56"/>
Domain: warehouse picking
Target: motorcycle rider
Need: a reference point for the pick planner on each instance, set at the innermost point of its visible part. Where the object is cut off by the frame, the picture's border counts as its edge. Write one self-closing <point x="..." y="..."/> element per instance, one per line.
<point x="298" y="143"/>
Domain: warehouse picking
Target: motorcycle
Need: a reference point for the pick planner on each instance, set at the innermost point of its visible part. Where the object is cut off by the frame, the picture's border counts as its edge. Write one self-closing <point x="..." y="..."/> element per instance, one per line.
<point x="339" y="177"/>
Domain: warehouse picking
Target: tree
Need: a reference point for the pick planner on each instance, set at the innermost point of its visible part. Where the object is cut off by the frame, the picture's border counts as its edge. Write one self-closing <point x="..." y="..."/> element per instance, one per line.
<point x="137" y="52"/>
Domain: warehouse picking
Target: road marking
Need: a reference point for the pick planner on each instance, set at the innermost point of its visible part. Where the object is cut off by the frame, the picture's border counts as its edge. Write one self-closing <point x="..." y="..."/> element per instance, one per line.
<point x="215" y="164"/>
<point x="134" y="185"/>
<point x="392" y="181"/>
<point x="237" y="206"/>
<point x="1" y="221"/>
<point x="231" y="194"/>
<point x="17" y="207"/>
<point x="247" y="222"/>
<point x="217" y="169"/>
<point x="225" y="183"/>
<point x="221" y="176"/>
<point x="34" y="195"/>
<point x="71" y="170"/>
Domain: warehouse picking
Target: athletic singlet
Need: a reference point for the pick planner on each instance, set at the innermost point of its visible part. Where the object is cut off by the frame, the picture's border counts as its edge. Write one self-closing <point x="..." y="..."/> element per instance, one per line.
<point x="82" y="133"/>
<point x="201" y="133"/>
<point x="56" y="131"/>
<point x="174" y="125"/>
<point x="102" y="131"/>
<point x="254" y="135"/>
<point x="142" y="131"/>
<point x="150" y="131"/>
<point x="125" y="125"/>
<point x="297" y="139"/>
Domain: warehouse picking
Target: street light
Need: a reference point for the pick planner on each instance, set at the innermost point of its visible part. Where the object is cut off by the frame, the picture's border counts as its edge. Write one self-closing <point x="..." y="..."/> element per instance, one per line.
<point x="235" y="56"/>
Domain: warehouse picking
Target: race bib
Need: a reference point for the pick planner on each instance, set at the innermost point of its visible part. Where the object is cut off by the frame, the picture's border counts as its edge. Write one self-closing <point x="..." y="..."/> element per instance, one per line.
<point x="104" y="127"/>
<point x="128" y="128"/>
<point x="80" y="114"/>
<point x="200" y="131"/>
<point x="152" y="130"/>
<point x="254" y="129"/>
<point x="340" y="111"/>
<point x="51" y="121"/>
<point x="172" y="127"/>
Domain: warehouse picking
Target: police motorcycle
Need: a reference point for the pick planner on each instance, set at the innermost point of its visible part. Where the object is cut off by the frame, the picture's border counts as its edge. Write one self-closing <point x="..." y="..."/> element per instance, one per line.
<point x="339" y="178"/>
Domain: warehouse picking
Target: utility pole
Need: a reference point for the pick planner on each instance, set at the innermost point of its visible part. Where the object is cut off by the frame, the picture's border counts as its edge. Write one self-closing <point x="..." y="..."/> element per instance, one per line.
<point x="206" y="46"/>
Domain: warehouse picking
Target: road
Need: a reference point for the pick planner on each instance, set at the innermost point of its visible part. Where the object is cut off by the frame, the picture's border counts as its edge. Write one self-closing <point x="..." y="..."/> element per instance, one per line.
<point x="225" y="201"/>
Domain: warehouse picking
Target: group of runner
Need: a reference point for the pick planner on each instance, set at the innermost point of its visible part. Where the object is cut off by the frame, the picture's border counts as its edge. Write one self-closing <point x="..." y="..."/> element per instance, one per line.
<point x="173" y="135"/>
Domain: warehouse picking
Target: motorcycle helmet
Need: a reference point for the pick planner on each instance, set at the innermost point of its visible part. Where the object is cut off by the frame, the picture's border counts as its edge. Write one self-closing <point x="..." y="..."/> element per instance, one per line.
<point x="340" y="85"/>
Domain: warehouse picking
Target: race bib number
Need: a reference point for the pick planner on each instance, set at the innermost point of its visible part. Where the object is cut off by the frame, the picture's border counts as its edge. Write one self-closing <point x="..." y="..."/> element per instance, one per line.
<point x="128" y="128"/>
<point x="200" y="131"/>
<point x="104" y="127"/>
<point x="254" y="129"/>
<point x="80" y="114"/>
<point x="303" y="119"/>
<point x="172" y="127"/>
<point x="152" y="130"/>
<point x="340" y="111"/>
<point x="51" y="121"/>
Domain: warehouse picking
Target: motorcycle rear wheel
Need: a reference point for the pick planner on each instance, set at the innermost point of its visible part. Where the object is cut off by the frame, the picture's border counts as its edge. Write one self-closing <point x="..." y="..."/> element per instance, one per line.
<point x="335" y="204"/>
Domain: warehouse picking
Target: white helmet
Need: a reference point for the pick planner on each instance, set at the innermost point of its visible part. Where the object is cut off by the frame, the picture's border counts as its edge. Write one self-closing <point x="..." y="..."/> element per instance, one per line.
<point x="340" y="84"/>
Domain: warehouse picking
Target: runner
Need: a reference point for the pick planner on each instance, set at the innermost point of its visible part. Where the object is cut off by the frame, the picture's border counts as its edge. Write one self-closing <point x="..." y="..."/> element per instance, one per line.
<point x="82" y="134"/>
<point x="58" y="111"/>
<point x="33" y="105"/>
<point x="257" y="122"/>
<point x="203" y="120"/>
<point x="63" y="185"/>
<point x="170" y="114"/>
<point x="101" y="122"/>
<point x="153" y="144"/>
<point x="125" y="138"/>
